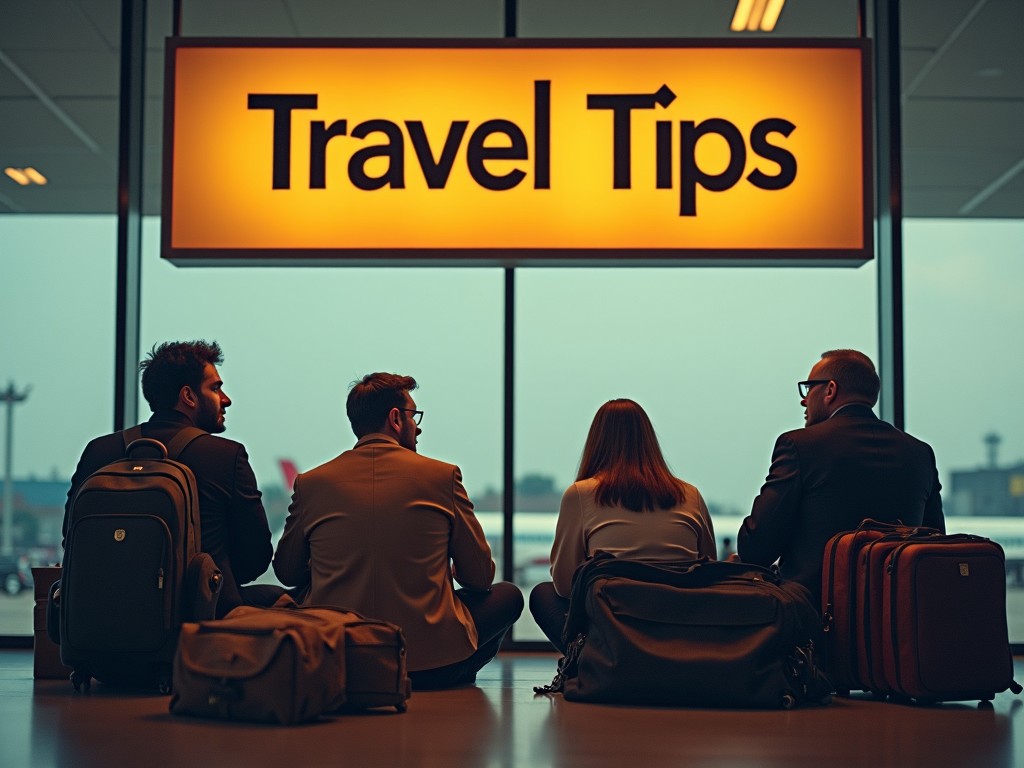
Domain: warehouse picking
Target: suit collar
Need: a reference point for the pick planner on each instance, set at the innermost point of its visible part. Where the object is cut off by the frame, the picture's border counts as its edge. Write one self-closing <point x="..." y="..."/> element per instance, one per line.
<point x="375" y="437"/>
<point x="854" y="410"/>
<point x="170" y="416"/>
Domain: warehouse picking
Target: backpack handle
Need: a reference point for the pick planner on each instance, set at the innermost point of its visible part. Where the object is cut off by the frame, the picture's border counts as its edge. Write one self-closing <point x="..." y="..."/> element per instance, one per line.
<point x="146" y="447"/>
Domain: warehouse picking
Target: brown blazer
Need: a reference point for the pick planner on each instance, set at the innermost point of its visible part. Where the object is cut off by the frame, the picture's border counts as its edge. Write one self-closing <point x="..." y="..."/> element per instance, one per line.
<point x="378" y="530"/>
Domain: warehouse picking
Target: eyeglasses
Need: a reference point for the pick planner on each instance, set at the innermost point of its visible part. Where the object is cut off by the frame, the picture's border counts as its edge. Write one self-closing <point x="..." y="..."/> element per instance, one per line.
<point x="417" y="416"/>
<point x="804" y="387"/>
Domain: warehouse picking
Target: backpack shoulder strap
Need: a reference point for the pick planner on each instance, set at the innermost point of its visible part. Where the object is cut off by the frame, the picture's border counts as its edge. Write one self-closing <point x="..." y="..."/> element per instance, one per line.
<point x="182" y="440"/>
<point x="130" y="435"/>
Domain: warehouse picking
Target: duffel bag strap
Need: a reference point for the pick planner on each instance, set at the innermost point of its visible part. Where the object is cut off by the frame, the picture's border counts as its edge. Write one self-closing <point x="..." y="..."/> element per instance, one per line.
<point x="566" y="667"/>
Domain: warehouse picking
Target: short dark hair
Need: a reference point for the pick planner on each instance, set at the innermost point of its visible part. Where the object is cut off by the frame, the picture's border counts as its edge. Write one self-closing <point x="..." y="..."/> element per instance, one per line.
<point x="175" y="364"/>
<point x="853" y="371"/>
<point x="371" y="399"/>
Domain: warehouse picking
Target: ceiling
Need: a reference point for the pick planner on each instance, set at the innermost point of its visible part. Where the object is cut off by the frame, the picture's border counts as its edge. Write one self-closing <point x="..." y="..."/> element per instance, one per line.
<point x="962" y="71"/>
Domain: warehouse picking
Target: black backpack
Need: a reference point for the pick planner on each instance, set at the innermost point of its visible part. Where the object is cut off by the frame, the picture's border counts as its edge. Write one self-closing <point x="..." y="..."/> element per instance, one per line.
<point x="133" y="570"/>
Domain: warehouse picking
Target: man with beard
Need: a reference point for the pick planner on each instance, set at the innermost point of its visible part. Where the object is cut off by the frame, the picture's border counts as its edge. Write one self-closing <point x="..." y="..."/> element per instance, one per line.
<point x="384" y="531"/>
<point x="183" y="388"/>
<point x="846" y="464"/>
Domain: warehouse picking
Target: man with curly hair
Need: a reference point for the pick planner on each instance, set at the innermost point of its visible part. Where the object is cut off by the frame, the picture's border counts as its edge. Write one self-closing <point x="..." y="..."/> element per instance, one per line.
<point x="181" y="383"/>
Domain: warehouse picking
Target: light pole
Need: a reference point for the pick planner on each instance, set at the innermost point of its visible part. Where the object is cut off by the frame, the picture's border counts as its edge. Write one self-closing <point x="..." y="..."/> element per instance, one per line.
<point x="10" y="397"/>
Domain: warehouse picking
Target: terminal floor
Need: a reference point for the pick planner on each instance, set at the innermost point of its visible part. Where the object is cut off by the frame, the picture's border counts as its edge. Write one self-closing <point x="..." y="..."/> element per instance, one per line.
<point x="500" y="723"/>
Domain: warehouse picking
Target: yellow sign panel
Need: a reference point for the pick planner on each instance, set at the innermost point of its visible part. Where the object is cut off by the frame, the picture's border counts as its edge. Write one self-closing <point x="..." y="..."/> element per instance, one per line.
<point x="516" y="152"/>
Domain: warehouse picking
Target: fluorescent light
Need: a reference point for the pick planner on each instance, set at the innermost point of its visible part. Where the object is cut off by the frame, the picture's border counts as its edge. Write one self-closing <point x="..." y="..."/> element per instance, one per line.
<point x="26" y="176"/>
<point x="742" y="15"/>
<point x="771" y="15"/>
<point x="753" y="15"/>
<point x="18" y="175"/>
<point x="35" y="176"/>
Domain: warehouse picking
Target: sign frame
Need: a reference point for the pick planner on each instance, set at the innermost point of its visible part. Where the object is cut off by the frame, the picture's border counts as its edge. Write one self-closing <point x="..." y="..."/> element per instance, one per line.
<point x="517" y="256"/>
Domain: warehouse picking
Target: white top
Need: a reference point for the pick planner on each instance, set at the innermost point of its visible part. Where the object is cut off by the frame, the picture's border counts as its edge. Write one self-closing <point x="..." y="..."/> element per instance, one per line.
<point x="585" y="527"/>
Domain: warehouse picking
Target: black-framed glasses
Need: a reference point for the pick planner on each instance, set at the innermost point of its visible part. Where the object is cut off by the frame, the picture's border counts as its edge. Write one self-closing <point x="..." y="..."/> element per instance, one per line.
<point x="417" y="416"/>
<point x="804" y="387"/>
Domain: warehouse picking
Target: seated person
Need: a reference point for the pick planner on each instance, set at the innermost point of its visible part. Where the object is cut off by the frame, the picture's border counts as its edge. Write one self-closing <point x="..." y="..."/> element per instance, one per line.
<point x="183" y="387"/>
<point x="845" y="464"/>
<point x="383" y="531"/>
<point x="626" y="502"/>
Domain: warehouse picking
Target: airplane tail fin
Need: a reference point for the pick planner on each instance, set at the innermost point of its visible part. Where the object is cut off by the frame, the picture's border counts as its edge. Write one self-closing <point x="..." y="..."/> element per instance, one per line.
<point x="289" y="471"/>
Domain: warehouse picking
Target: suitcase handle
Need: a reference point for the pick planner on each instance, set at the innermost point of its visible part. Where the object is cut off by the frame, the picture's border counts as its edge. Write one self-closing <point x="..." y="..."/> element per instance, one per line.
<point x="870" y="524"/>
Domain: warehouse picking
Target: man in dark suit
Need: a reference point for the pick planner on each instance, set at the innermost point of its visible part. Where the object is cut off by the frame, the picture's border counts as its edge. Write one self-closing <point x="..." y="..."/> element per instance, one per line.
<point x="384" y="531"/>
<point x="843" y="466"/>
<point x="183" y="388"/>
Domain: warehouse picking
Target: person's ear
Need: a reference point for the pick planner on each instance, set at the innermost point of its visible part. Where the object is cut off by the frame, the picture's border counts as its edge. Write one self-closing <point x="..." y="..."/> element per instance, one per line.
<point x="188" y="397"/>
<point x="395" y="419"/>
<point x="831" y="391"/>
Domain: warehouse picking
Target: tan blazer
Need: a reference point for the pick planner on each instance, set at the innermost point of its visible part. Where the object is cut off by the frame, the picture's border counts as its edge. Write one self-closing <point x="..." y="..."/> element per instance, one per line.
<point x="377" y="530"/>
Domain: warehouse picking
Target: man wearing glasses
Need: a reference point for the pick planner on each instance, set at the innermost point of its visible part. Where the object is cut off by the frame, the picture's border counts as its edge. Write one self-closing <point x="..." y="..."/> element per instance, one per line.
<point x="843" y="466"/>
<point x="383" y="531"/>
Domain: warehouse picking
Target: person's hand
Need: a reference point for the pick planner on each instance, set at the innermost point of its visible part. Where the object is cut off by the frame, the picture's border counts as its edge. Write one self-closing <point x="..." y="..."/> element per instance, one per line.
<point x="733" y="558"/>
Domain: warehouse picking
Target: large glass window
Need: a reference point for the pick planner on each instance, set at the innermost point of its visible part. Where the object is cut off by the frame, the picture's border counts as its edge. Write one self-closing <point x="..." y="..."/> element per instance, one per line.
<point x="294" y="339"/>
<point x="56" y="363"/>
<point x="965" y="377"/>
<point x="712" y="355"/>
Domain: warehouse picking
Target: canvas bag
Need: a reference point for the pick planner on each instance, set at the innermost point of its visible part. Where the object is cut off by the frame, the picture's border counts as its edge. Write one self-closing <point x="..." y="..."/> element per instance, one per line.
<point x="271" y="665"/>
<point x="698" y="633"/>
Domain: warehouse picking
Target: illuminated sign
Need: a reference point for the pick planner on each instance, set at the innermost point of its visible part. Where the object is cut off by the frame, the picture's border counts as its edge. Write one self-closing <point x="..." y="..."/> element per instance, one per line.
<point x="516" y="152"/>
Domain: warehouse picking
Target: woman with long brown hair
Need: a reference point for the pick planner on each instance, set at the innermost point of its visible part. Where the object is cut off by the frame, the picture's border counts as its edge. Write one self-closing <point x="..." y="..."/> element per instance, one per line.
<point x="625" y="502"/>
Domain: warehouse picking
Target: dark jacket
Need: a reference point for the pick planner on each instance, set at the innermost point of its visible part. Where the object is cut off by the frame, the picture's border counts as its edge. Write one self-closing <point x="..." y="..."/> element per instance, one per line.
<point x="828" y="477"/>
<point x="235" y="531"/>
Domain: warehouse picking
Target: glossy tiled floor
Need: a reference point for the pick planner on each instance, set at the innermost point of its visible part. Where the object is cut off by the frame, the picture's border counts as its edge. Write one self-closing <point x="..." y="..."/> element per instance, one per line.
<point x="499" y="723"/>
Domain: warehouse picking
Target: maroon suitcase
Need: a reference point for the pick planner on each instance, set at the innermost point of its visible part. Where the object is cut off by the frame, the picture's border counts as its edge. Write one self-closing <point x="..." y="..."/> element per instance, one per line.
<point x="868" y="619"/>
<point x="841" y="601"/>
<point x="944" y="620"/>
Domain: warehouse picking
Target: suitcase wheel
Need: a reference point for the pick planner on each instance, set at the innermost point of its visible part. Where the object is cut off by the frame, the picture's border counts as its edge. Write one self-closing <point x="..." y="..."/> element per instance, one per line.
<point x="80" y="681"/>
<point x="164" y="686"/>
<point x="401" y="707"/>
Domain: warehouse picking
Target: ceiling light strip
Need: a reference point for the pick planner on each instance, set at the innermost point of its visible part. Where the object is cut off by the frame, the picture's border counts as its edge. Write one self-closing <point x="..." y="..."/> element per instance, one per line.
<point x="754" y="15"/>
<point x="34" y="176"/>
<point x="771" y="15"/>
<point x="18" y="176"/>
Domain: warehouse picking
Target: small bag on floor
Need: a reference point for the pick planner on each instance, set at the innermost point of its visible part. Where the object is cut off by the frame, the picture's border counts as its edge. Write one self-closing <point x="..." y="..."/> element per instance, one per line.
<point x="275" y="665"/>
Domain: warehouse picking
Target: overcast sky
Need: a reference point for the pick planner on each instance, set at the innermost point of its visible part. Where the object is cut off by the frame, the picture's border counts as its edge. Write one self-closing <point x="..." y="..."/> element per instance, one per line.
<point x="712" y="354"/>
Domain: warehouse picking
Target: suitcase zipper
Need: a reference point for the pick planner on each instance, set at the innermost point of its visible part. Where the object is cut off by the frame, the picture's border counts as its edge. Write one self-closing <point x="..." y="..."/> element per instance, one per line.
<point x="828" y="617"/>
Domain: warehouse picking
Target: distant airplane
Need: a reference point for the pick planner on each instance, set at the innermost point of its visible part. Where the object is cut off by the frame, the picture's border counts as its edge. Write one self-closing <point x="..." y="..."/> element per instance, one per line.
<point x="289" y="472"/>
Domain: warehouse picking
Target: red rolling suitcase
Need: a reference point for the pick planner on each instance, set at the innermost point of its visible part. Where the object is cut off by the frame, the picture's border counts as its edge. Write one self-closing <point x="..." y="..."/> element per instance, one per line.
<point x="842" y="601"/>
<point x="944" y="631"/>
<point x="868" y="618"/>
